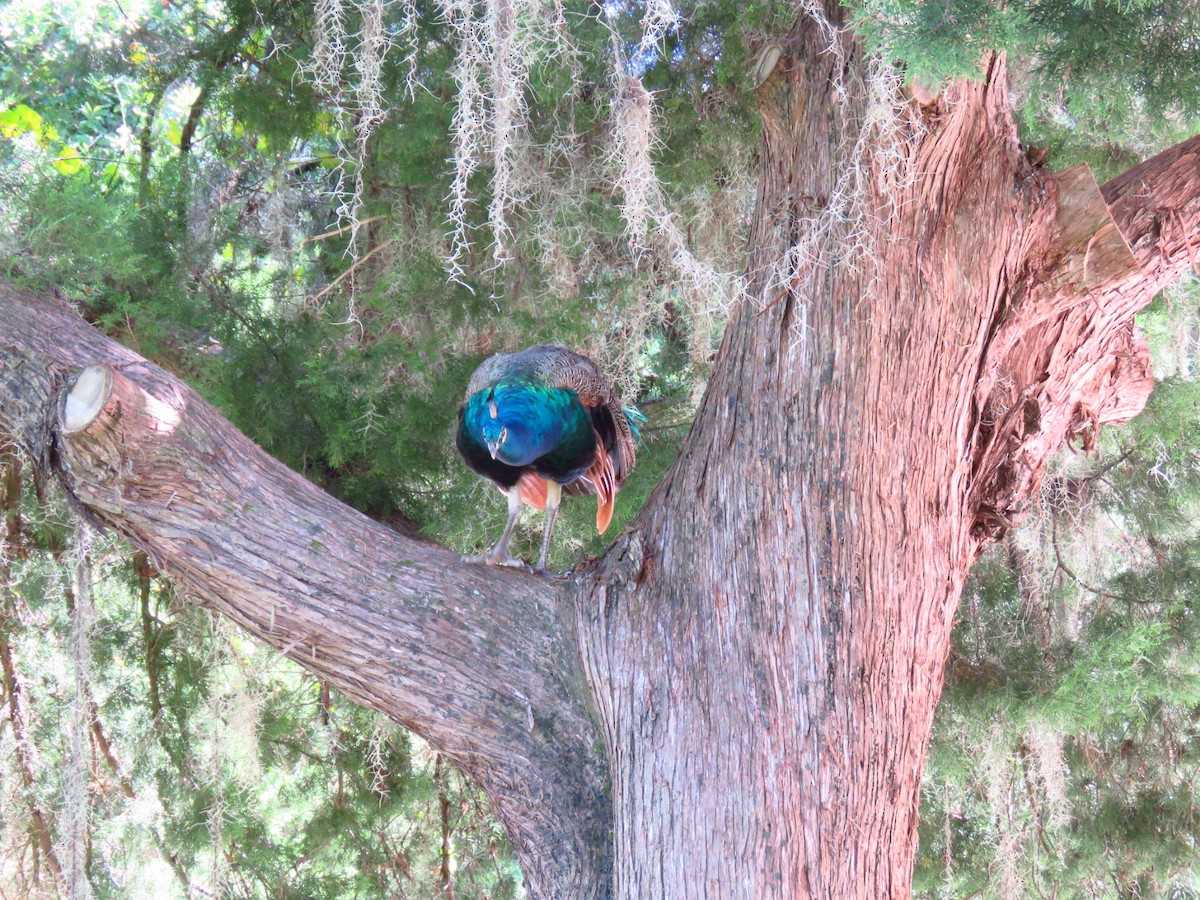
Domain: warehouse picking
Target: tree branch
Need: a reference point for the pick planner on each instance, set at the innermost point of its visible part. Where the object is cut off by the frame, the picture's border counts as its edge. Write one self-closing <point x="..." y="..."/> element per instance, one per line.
<point x="477" y="660"/>
<point x="105" y="747"/>
<point x="13" y="690"/>
<point x="1156" y="204"/>
<point x="1066" y="357"/>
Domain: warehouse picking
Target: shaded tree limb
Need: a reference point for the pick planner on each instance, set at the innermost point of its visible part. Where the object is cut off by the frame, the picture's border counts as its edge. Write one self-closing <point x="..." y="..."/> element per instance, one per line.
<point x="150" y="634"/>
<point x="146" y="141"/>
<point x="104" y="745"/>
<point x="195" y="114"/>
<point x="445" y="873"/>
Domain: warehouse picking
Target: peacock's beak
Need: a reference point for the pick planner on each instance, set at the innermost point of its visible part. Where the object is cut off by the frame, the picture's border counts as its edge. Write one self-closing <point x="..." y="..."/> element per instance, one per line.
<point x="493" y="448"/>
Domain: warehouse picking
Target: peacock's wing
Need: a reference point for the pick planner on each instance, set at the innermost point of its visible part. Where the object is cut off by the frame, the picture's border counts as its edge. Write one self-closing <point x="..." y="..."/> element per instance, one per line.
<point x="564" y="368"/>
<point x="560" y="367"/>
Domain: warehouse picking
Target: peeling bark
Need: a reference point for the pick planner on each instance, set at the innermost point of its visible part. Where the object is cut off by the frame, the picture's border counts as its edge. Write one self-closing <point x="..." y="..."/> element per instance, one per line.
<point x="767" y="646"/>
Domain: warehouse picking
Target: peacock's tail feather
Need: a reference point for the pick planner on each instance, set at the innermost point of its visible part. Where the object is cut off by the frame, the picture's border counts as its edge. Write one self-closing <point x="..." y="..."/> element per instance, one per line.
<point x="604" y="482"/>
<point x="636" y="420"/>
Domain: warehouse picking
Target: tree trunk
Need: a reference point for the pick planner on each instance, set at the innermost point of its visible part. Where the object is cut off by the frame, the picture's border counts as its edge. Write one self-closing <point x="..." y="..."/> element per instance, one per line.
<point x="736" y="700"/>
<point x="766" y="645"/>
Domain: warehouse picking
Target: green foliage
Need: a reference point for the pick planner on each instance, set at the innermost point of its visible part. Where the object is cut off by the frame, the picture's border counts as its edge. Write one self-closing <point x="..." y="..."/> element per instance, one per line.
<point x="1102" y="81"/>
<point x="941" y="40"/>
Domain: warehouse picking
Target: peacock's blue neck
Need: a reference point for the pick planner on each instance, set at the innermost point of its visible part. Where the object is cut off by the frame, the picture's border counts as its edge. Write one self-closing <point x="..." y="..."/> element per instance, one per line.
<point x="530" y="421"/>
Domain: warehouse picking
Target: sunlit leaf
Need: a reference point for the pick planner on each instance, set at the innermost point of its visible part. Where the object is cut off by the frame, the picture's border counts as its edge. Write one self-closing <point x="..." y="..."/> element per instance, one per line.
<point x="68" y="161"/>
<point x="19" y="120"/>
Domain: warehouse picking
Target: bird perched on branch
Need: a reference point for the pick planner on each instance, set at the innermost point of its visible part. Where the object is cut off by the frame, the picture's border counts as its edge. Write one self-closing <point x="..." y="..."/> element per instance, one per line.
<point x="541" y="422"/>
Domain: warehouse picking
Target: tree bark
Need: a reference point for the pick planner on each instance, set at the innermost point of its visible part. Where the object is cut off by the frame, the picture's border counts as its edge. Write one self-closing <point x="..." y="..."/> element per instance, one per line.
<point x="767" y="643"/>
<point x="736" y="700"/>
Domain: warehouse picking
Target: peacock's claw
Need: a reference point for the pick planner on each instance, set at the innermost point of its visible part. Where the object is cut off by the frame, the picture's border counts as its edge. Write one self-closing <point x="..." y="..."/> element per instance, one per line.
<point x="495" y="559"/>
<point x="546" y="573"/>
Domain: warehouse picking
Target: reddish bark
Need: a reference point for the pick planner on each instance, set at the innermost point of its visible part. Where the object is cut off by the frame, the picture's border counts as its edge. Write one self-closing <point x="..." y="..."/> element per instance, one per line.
<point x="767" y="645"/>
<point x="741" y="702"/>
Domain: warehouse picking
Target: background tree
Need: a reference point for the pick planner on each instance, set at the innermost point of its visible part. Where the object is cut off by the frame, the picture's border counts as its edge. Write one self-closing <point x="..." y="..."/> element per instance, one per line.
<point x="190" y="217"/>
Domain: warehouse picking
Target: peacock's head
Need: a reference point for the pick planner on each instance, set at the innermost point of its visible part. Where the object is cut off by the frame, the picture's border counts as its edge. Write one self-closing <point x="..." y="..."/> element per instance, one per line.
<point x="494" y="435"/>
<point x="495" y="432"/>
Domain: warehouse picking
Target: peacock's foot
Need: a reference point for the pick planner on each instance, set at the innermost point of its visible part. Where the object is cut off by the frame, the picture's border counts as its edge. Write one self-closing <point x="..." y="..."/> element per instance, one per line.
<point x="546" y="573"/>
<point x="495" y="559"/>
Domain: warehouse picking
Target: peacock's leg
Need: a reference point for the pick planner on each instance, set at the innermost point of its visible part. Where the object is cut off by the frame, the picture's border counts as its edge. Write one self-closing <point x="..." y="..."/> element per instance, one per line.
<point x="553" y="498"/>
<point x="498" y="555"/>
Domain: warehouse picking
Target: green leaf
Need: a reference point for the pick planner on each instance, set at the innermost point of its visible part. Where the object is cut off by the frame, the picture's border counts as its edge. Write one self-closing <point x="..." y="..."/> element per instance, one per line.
<point x="19" y="120"/>
<point x="68" y="161"/>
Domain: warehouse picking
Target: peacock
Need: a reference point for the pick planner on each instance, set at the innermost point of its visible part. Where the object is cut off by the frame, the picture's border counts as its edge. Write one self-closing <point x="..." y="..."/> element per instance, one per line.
<point x="541" y="422"/>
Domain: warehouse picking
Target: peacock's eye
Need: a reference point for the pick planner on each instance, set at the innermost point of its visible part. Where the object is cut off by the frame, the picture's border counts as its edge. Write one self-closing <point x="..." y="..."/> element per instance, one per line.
<point x="503" y="435"/>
